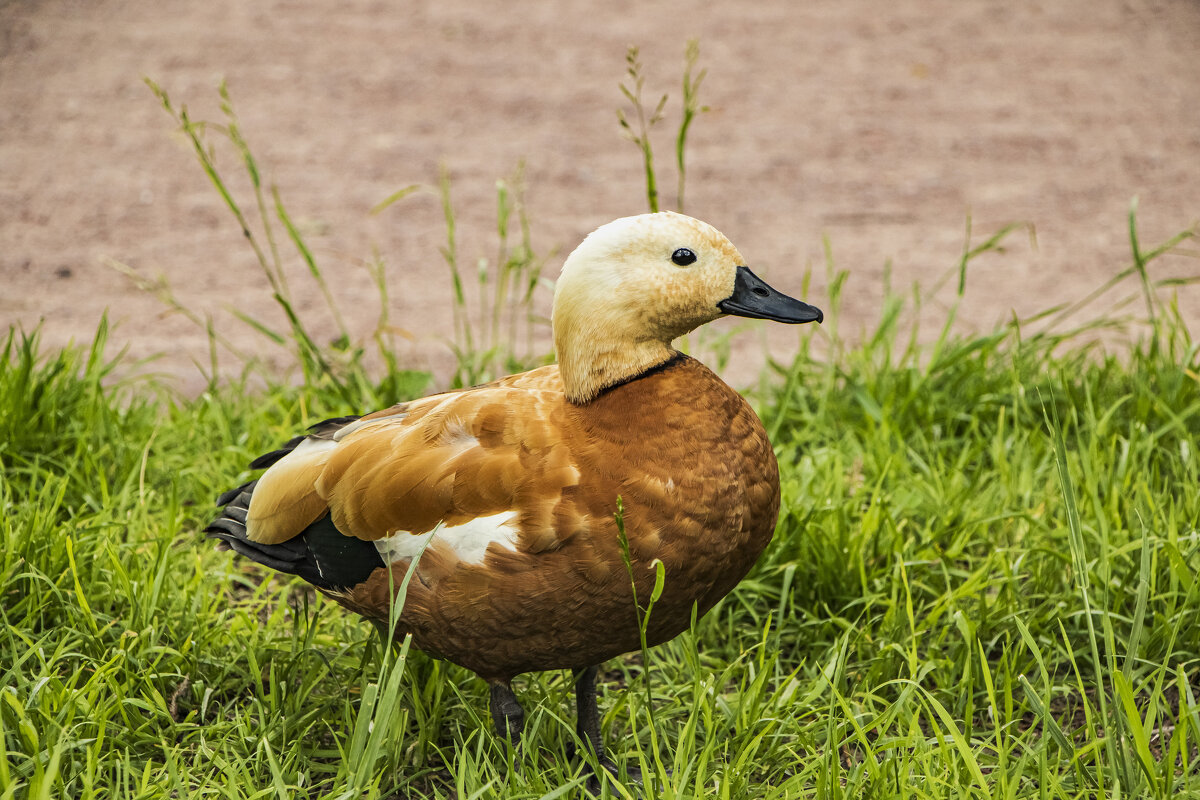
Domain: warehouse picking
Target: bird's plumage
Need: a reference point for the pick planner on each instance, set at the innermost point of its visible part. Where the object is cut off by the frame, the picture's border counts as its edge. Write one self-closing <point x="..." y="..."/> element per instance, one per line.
<point x="507" y="492"/>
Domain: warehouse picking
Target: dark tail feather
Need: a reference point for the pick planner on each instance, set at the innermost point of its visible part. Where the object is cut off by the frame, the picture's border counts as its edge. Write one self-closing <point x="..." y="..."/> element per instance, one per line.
<point x="321" y="554"/>
<point x="285" y="557"/>
<point x="230" y="530"/>
<point x="243" y="503"/>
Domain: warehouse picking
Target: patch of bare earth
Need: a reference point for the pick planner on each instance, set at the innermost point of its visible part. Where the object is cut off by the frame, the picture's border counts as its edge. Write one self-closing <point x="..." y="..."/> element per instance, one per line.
<point x="879" y="125"/>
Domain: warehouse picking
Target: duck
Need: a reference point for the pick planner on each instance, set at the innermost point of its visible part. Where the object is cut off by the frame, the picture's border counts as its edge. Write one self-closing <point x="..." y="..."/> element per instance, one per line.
<point x="537" y="506"/>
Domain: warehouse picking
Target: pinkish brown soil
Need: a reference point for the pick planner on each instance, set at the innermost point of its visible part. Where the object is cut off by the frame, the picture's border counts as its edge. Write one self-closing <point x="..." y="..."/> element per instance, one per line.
<point x="879" y="125"/>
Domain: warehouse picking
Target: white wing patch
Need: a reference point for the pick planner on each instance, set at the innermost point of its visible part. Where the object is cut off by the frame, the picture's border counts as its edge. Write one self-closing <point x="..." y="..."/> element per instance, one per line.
<point x="469" y="541"/>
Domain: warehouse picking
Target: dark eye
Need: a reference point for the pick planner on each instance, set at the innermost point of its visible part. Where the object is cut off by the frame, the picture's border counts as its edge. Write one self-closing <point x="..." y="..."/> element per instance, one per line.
<point x="683" y="257"/>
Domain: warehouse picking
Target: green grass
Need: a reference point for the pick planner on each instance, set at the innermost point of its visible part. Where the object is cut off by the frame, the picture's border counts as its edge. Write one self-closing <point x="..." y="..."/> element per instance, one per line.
<point x="983" y="582"/>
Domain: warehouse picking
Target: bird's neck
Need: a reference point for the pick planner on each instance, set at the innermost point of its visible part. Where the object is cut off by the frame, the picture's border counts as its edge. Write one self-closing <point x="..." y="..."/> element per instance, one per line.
<point x="589" y="366"/>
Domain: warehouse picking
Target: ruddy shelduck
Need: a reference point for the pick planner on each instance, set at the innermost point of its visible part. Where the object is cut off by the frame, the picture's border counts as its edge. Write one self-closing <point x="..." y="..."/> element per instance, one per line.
<point x="507" y="493"/>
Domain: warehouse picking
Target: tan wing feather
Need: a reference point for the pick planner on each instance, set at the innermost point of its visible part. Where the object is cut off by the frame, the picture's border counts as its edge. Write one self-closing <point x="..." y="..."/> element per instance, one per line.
<point x="445" y="458"/>
<point x="466" y="455"/>
<point x="286" y="500"/>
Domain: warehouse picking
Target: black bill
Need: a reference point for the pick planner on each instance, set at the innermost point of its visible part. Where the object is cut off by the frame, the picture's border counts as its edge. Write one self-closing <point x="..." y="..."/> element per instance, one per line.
<point x="752" y="297"/>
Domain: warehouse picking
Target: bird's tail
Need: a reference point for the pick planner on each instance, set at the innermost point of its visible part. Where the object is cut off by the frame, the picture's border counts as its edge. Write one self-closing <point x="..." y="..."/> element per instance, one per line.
<point x="321" y="554"/>
<point x="229" y="529"/>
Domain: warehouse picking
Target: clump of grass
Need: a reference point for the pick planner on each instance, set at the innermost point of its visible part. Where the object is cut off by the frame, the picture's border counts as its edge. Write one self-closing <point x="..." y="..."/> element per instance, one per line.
<point x="1015" y="530"/>
<point x="340" y="367"/>
<point x="643" y="120"/>
<point x="691" y="109"/>
<point x="501" y="340"/>
<point x="497" y="338"/>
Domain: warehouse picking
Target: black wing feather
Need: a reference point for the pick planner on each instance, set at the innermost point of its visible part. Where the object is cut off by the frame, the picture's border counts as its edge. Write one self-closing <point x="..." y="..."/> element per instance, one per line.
<point x="321" y="554"/>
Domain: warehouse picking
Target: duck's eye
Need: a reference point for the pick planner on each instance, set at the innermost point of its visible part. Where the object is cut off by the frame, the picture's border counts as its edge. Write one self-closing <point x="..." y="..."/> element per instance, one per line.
<point x="683" y="257"/>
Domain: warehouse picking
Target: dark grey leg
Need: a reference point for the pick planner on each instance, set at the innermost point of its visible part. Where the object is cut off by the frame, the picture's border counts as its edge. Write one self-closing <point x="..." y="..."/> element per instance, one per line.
<point x="587" y="720"/>
<point x="587" y="725"/>
<point x="507" y="714"/>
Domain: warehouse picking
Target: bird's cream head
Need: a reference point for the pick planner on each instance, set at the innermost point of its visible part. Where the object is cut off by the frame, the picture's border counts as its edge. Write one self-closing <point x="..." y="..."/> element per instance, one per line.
<point x="636" y="284"/>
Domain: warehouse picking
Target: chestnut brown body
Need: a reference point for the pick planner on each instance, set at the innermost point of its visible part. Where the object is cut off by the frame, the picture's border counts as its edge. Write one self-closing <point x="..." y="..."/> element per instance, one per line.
<point x="699" y="485"/>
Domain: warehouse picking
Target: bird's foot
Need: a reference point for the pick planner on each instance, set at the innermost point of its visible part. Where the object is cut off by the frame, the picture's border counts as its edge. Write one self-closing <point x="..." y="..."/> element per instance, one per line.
<point x="608" y="772"/>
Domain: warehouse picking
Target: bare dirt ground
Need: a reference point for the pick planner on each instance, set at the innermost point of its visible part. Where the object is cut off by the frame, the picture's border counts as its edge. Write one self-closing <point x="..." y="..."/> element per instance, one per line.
<point x="879" y="125"/>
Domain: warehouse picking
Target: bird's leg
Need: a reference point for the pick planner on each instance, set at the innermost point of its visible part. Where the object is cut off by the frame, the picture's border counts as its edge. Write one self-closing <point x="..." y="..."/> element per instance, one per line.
<point x="587" y="719"/>
<point x="507" y="714"/>
<point x="587" y="725"/>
